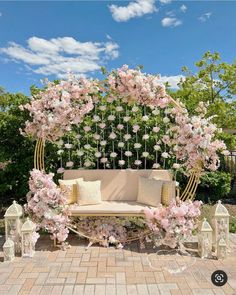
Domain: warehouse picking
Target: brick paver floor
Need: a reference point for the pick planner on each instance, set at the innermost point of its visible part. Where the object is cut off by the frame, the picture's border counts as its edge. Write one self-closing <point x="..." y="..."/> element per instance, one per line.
<point x="107" y="271"/>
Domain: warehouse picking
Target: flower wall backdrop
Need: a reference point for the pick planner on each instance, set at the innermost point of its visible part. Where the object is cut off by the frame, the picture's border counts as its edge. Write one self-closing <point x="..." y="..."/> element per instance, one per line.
<point x="126" y="120"/>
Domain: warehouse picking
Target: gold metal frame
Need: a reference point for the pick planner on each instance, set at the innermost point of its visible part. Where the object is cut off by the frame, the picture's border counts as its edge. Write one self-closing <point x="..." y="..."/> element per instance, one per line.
<point x="39" y="154"/>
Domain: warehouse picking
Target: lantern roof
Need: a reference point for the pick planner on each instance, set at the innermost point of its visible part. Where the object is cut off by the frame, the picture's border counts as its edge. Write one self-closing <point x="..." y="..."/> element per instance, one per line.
<point x="8" y="244"/>
<point x="205" y="226"/>
<point x="15" y="210"/>
<point x="222" y="242"/>
<point x="220" y="210"/>
<point x="28" y="226"/>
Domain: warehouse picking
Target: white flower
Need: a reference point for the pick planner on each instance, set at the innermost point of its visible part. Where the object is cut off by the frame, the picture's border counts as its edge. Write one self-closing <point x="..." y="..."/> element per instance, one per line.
<point x="113" y="155"/>
<point x="111" y="118"/>
<point x="165" y="155"/>
<point x="96" y="136"/>
<point x="155" y="129"/>
<point x="119" y="246"/>
<point x="87" y="146"/>
<point x="225" y="153"/>
<point x="157" y="147"/>
<point x="167" y="111"/>
<point x="78" y="136"/>
<point x="137" y="145"/>
<point x="145" y="136"/>
<point x="121" y="162"/>
<point x="96" y="118"/>
<point x="87" y="163"/>
<point x="136" y="128"/>
<point x="60" y="142"/>
<point x="120" y="126"/>
<point x="127" y="118"/>
<point x="156" y="166"/>
<point x="103" y="142"/>
<point x="119" y="108"/>
<point x="103" y="160"/>
<point x="128" y="153"/>
<point x="175" y="148"/>
<point x="121" y="144"/>
<point x="176" y="166"/>
<point x="69" y="164"/>
<point x="102" y="125"/>
<point x="87" y="128"/>
<point x="112" y="135"/>
<point x="145" y="154"/>
<point x="68" y="146"/>
<point x="60" y="152"/>
<point x="102" y="108"/>
<point x="127" y="136"/>
<point x="137" y="162"/>
<point x="60" y="170"/>
<point x="145" y="118"/>
<point x="112" y="240"/>
<point x="135" y="109"/>
<point x="98" y="154"/>
<point x="80" y="153"/>
<point x="156" y="112"/>
<point x="166" y="120"/>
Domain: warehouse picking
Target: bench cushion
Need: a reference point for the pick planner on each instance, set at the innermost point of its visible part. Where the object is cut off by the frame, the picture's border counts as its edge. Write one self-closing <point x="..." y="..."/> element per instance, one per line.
<point x="110" y="208"/>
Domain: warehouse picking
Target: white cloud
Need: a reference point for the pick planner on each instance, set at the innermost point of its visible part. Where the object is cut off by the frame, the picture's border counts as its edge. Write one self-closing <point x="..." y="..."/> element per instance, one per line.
<point x="183" y="8"/>
<point x="171" y="22"/>
<point x="172" y="80"/>
<point x="203" y="18"/>
<point x="165" y="1"/>
<point x="57" y="56"/>
<point x="134" y="9"/>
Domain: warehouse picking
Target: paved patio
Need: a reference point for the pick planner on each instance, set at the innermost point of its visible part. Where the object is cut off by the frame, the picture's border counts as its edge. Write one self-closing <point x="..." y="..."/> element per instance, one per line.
<point x="109" y="271"/>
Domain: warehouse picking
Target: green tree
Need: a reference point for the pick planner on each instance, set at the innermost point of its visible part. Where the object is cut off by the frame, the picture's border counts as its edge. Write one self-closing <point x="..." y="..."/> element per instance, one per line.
<point x="16" y="151"/>
<point x="214" y="82"/>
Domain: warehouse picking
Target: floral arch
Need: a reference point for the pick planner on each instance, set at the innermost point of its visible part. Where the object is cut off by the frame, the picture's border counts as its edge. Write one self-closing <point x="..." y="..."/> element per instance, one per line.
<point x="186" y="142"/>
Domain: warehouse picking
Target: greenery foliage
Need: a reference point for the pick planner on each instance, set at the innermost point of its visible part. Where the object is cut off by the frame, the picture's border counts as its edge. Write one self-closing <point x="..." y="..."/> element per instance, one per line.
<point x="214" y="186"/>
<point x="16" y="151"/>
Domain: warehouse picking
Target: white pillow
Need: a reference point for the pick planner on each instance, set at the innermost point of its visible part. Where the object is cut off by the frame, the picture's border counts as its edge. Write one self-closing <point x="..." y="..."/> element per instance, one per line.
<point x="69" y="187"/>
<point x="89" y="192"/>
<point x="149" y="191"/>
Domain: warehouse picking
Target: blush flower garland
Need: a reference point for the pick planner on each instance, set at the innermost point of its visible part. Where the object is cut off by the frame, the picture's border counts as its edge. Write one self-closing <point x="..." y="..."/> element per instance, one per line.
<point x="172" y="225"/>
<point x="46" y="205"/>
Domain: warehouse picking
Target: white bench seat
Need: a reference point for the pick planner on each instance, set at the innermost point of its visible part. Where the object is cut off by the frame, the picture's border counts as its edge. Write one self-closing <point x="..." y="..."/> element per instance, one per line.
<point x="109" y="208"/>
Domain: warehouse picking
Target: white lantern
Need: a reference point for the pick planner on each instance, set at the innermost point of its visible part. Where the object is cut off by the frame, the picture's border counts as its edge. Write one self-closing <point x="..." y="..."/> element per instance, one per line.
<point x="220" y="224"/>
<point x="221" y="249"/>
<point x="205" y="240"/>
<point x="8" y="250"/>
<point x="27" y="239"/>
<point x="13" y="224"/>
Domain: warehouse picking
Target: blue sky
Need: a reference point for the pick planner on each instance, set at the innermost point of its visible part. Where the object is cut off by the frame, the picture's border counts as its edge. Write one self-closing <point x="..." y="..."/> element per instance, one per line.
<point x="48" y="39"/>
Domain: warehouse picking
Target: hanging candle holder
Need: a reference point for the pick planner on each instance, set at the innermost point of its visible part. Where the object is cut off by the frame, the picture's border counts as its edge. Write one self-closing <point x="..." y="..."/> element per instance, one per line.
<point x="60" y="170"/>
<point x="69" y="146"/>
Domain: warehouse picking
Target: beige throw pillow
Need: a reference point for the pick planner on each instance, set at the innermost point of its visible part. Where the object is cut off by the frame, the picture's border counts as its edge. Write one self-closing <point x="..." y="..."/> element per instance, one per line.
<point x="69" y="187"/>
<point x="149" y="191"/>
<point x="89" y="192"/>
<point x="168" y="191"/>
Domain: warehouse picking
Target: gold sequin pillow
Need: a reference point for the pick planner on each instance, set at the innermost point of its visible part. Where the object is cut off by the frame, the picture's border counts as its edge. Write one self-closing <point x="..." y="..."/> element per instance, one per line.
<point x="168" y="191"/>
<point x="69" y="187"/>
